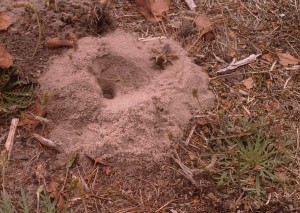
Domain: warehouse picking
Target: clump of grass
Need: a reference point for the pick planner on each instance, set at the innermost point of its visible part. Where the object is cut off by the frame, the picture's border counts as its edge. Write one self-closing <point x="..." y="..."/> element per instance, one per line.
<point x="15" y="94"/>
<point x="24" y="202"/>
<point x="252" y="163"/>
<point x="6" y="205"/>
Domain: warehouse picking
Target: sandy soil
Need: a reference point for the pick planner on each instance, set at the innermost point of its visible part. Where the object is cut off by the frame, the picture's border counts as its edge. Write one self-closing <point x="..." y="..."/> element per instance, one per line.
<point x="106" y="97"/>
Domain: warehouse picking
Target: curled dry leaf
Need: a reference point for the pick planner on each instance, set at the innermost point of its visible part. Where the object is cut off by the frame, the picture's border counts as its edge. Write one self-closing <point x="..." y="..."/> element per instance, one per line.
<point x="203" y="24"/>
<point x="4" y="21"/>
<point x="6" y="59"/>
<point x="248" y="83"/>
<point x="286" y="59"/>
<point x="54" y="43"/>
<point x="153" y="9"/>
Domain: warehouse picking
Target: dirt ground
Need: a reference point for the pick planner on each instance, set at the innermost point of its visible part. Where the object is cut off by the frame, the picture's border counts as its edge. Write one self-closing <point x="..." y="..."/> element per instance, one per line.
<point x="133" y="129"/>
<point x="119" y="119"/>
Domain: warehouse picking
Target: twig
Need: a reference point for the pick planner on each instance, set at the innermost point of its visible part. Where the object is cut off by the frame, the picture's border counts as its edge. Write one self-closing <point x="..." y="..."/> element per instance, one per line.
<point x="190" y="135"/>
<point x="237" y="74"/>
<point x="47" y="142"/>
<point x="10" y="138"/>
<point x="161" y="208"/>
<point x="186" y="172"/>
<point x="286" y="82"/>
<point x="236" y="64"/>
<point x="298" y="138"/>
<point x="152" y="38"/>
<point x="239" y="173"/>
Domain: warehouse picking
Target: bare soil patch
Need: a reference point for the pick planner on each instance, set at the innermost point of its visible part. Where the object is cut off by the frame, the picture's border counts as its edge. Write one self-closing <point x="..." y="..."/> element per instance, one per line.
<point x="107" y="97"/>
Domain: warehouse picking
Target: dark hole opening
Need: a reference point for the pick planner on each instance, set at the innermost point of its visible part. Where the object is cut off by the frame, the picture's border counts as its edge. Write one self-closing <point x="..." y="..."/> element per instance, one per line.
<point x="108" y="92"/>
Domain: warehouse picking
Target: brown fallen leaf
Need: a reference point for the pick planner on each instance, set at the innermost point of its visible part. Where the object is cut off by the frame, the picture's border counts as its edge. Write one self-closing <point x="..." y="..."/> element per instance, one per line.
<point x="203" y="24"/>
<point x="248" y="83"/>
<point x="286" y="59"/>
<point x="6" y="59"/>
<point x="267" y="57"/>
<point x="54" y="43"/>
<point x="232" y="34"/>
<point x="4" y="21"/>
<point x="153" y="10"/>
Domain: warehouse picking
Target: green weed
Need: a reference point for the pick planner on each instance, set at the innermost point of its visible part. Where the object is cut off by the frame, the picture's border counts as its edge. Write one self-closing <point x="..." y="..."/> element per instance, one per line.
<point x="251" y="162"/>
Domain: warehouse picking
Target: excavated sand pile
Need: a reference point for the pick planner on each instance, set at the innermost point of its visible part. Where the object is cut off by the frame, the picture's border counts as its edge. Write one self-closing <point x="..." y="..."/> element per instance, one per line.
<point x="106" y="97"/>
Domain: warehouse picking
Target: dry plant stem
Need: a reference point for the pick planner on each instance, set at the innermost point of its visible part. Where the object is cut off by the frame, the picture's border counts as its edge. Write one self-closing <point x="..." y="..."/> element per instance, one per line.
<point x="239" y="173"/>
<point x="30" y="7"/>
<point x="237" y="74"/>
<point x="298" y="138"/>
<point x="186" y="172"/>
<point x="161" y="208"/>
<point x="4" y="162"/>
<point x="65" y="181"/>
<point x="11" y="135"/>
<point x="231" y="67"/>
<point x="190" y="135"/>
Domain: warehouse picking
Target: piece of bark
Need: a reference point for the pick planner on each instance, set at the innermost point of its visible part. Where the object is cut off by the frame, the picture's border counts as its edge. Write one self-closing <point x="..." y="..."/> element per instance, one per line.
<point x="10" y="138"/>
<point x="191" y="4"/>
<point x="47" y="142"/>
<point x="54" y="43"/>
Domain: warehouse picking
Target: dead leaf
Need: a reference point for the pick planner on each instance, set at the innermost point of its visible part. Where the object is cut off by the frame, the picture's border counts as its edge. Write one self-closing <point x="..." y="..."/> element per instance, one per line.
<point x="153" y="10"/>
<point x="99" y="160"/>
<point x="203" y="24"/>
<point x="30" y="119"/>
<point x="267" y="57"/>
<point x="27" y="120"/>
<point x="107" y="170"/>
<point x="54" y="43"/>
<point x="231" y="53"/>
<point x="6" y="59"/>
<point x="251" y="181"/>
<point x="286" y="59"/>
<point x="258" y="167"/>
<point x="61" y="203"/>
<point x="53" y="186"/>
<point x="4" y="21"/>
<point x="195" y="202"/>
<point x="232" y="35"/>
<point x="248" y="83"/>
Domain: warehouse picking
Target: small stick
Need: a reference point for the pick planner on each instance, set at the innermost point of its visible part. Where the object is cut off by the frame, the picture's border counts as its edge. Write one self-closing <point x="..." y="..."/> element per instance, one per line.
<point x="237" y="74"/>
<point x="190" y="135"/>
<point x="298" y="138"/>
<point x="152" y="38"/>
<point x="10" y="138"/>
<point x="161" y="208"/>
<point x="236" y="64"/>
<point x="239" y="173"/>
<point x="47" y="142"/>
<point x="191" y="4"/>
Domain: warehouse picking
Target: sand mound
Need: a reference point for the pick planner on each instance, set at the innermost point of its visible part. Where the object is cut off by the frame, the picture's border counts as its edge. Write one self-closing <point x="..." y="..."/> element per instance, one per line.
<point x="106" y="97"/>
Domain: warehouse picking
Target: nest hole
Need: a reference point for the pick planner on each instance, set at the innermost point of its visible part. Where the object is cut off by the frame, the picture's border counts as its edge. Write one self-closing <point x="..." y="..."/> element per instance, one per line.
<point x="108" y="91"/>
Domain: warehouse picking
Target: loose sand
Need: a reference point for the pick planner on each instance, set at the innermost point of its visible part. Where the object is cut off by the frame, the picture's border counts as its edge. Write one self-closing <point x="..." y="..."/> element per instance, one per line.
<point x="106" y="97"/>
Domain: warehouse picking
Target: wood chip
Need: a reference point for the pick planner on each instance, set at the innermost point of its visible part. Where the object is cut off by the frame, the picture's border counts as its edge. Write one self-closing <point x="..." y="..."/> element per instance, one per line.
<point x="10" y="138"/>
